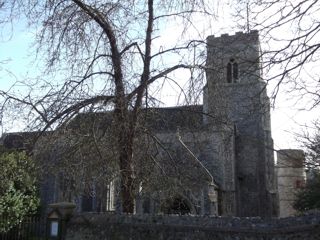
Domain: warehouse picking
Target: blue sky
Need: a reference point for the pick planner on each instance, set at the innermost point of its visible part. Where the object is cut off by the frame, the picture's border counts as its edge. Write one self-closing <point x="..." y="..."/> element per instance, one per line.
<point x="16" y="54"/>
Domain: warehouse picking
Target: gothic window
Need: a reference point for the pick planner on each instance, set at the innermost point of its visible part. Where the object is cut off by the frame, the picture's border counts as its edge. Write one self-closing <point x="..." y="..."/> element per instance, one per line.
<point x="87" y="203"/>
<point x="146" y="205"/>
<point x="235" y="72"/>
<point x="89" y="200"/>
<point x="229" y="72"/>
<point x="232" y="71"/>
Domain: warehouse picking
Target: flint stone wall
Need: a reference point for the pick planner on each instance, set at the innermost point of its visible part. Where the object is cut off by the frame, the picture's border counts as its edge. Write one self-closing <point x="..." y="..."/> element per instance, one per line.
<point x="145" y="227"/>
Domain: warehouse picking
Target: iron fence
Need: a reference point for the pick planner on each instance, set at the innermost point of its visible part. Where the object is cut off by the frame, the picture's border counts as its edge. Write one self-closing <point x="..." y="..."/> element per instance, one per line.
<point x="31" y="228"/>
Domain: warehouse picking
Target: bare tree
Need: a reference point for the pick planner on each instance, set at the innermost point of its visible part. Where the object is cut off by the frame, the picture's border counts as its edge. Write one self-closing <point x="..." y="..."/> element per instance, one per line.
<point x="290" y="35"/>
<point x="310" y="142"/>
<point x="83" y="156"/>
<point x="104" y="56"/>
<point x="307" y="198"/>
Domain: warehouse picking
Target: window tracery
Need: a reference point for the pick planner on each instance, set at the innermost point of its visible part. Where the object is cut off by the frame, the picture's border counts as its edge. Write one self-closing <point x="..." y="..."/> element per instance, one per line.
<point x="232" y="71"/>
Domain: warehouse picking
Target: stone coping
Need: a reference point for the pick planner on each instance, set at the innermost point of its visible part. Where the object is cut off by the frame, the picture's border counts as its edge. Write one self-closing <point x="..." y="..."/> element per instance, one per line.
<point x="245" y="223"/>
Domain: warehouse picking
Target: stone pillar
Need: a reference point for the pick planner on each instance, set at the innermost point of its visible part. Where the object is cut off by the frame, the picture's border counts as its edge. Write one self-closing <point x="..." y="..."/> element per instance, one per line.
<point x="291" y="177"/>
<point x="57" y="219"/>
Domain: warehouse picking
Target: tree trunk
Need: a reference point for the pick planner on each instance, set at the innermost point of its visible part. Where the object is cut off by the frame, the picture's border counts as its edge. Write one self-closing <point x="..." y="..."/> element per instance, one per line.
<point x="125" y="146"/>
<point x="126" y="175"/>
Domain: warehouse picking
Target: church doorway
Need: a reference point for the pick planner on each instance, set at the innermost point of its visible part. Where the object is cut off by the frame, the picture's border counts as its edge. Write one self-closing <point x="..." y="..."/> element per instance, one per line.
<point x="177" y="205"/>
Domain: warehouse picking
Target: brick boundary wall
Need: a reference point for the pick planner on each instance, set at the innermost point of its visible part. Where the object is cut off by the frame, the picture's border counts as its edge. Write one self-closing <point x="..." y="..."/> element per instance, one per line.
<point x="162" y="227"/>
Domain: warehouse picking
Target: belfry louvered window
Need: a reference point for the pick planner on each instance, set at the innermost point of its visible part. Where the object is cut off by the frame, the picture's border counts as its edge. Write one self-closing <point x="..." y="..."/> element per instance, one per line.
<point x="232" y="71"/>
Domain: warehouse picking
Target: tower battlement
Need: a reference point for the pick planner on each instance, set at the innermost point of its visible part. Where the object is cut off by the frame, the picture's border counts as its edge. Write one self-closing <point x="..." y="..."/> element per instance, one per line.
<point x="253" y="35"/>
<point x="241" y="51"/>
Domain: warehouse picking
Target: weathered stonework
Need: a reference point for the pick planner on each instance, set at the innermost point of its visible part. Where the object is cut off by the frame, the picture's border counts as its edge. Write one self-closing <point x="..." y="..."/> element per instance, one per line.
<point x="143" y="227"/>
<point x="235" y="128"/>
<point x="243" y="101"/>
<point x="291" y="177"/>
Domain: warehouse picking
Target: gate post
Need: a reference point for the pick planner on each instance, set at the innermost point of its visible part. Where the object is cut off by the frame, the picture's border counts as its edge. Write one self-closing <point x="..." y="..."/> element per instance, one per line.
<point x="58" y="218"/>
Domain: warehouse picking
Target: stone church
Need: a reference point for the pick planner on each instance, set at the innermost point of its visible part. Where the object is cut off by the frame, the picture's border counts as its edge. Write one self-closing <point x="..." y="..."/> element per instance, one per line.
<point x="228" y="138"/>
<point x="233" y="131"/>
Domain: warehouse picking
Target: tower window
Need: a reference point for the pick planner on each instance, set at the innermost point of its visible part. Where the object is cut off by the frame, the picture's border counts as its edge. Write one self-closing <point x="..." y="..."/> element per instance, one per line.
<point x="229" y="72"/>
<point x="232" y="71"/>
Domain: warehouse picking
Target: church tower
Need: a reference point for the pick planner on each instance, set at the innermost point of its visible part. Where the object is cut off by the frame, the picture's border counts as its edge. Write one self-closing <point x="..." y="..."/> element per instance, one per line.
<point x="235" y="95"/>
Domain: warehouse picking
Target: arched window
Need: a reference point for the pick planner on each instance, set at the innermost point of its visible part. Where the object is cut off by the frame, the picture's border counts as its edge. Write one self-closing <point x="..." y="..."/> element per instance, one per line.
<point x="235" y="72"/>
<point x="232" y="71"/>
<point x="229" y="73"/>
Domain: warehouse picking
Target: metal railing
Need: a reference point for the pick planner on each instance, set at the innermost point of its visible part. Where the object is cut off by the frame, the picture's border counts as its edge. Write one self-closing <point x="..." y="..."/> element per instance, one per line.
<point x="31" y="228"/>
